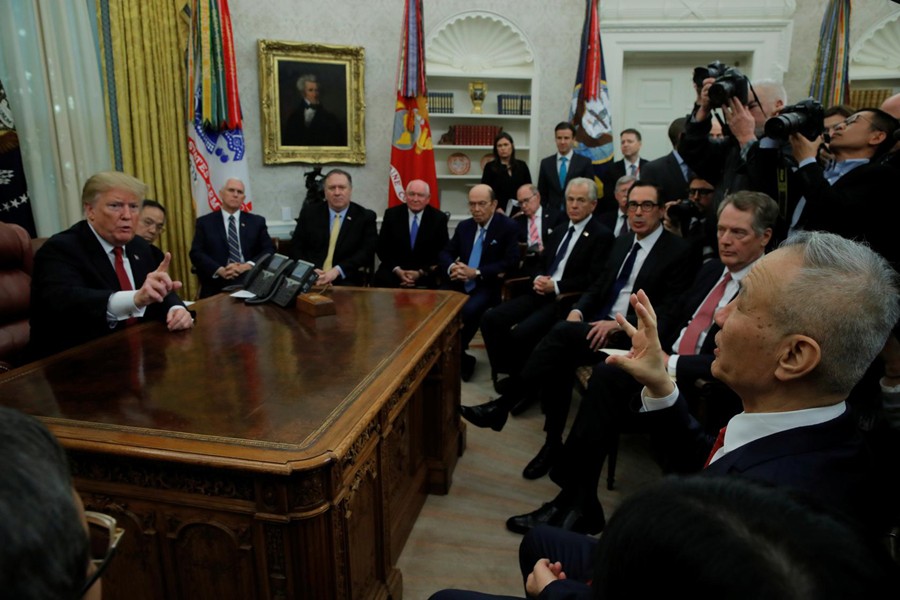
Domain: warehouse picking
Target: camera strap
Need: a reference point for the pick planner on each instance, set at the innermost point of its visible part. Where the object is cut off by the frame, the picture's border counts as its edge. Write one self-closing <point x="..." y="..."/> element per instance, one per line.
<point x="782" y="175"/>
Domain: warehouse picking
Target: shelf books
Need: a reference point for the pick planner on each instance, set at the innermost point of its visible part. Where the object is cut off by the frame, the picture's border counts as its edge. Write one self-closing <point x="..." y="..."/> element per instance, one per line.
<point x="440" y="102"/>
<point x="471" y="135"/>
<point x="514" y="104"/>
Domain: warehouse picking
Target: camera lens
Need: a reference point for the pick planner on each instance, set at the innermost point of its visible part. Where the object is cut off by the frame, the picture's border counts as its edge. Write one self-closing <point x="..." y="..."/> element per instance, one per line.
<point x="720" y="92"/>
<point x="783" y="125"/>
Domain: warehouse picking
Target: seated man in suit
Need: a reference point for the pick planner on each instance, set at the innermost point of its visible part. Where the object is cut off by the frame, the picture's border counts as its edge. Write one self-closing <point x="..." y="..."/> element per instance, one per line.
<point x="647" y="258"/>
<point x="745" y="227"/>
<point x="787" y="348"/>
<point x="338" y="236"/>
<point x="97" y="276"/>
<point x="410" y="240"/>
<point x="631" y="164"/>
<point x="536" y="222"/>
<point x="617" y="220"/>
<point x="482" y="250"/>
<point x="151" y="222"/>
<point x="574" y="258"/>
<point x="669" y="173"/>
<point x="558" y="169"/>
<point x="227" y="243"/>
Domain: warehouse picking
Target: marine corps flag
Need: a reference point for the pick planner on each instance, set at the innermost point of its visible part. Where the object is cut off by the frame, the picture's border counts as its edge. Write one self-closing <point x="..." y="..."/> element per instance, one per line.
<point x="215" y="131"/>
<point x="590" y="112"/>
<point x="412" y="155"/>
<point x="15" y="205"/>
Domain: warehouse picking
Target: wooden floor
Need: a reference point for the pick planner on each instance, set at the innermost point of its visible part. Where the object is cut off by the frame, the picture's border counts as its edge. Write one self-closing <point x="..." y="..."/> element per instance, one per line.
<point x="460" y="540"/>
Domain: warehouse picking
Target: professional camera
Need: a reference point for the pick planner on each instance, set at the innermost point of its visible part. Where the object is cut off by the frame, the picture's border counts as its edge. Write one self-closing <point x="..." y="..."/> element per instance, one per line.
<point x="684" y="211"/>
<point x="806" y="118"/>
<point x="315" y="182"/>
<point x="730" y="84"/>
<point x="714" y="69"/>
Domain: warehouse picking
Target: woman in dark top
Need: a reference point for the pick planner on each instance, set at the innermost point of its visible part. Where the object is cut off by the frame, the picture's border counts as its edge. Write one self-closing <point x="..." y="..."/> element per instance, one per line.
<point x="505" y="174"/>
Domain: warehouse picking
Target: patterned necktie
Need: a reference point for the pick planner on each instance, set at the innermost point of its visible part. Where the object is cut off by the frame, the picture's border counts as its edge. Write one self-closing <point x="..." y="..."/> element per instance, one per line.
<point x="562" y="172"/>
<point x="475" y="258"/>
<point x="332" y="242"/>
<point x="563" y="247"/>
<point x="413" y="231"/>
<point x="623" y="229"/>
<point x="534" y="238"/>
<point x="234" y="246"/>
<point x="633" y="170"/>
<point x="720" y="441"/>
<point x="703" y="319"/>
<point x="624" y="274"/>
<point x="121" y="273"/>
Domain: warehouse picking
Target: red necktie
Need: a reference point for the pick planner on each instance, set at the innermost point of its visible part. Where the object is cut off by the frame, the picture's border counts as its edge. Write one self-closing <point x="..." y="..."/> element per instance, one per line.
<point x="124" y="282"/>
<point x="703" y="319"/>
<point x="720" y="441"/>
<point x="534" y="238"/>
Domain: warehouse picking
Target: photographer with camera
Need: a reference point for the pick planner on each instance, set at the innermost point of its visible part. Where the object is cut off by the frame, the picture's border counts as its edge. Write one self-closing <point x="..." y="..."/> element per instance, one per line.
<point x="693" y="218"/>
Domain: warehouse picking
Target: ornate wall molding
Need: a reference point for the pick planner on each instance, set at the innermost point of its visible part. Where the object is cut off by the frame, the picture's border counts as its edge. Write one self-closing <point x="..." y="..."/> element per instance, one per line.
<point x="477" y="42"/>
<point x="876" y="55"/>
<point x="696" y="10"/>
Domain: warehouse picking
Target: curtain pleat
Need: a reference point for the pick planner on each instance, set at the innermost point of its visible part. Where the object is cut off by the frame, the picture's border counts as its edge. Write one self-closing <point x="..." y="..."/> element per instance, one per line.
<point x="142" y="53"/>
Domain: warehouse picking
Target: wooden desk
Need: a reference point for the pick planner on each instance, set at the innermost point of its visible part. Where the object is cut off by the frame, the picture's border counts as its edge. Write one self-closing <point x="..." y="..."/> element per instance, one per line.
<point x="264" y="454"/>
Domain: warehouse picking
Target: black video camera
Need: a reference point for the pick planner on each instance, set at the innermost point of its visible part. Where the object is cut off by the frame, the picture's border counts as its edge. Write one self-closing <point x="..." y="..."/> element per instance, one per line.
<point x="315" y="187"/>
<point x="684" y="211"/>
<point x="730" y="83"/>
<point x="806" y="118"/>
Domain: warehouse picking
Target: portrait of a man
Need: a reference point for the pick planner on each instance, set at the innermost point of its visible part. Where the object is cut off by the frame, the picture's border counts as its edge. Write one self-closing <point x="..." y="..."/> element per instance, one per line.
<point x="313" y="104"/>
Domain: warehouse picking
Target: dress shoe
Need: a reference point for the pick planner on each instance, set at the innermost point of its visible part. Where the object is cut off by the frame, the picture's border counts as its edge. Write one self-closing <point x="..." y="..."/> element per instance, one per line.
<point x="467" y="367"/>
<point x="540" y="465"/>
<point x="547" y="514"/>
<point x="581" y="521"/>
<point x="521" y="406"/>
<point x="490" y="414"/>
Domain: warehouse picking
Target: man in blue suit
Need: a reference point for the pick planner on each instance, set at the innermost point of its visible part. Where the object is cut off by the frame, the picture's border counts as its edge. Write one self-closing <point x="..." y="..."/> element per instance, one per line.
<point x="220" y="262"/>
<point x="482" y="250"/>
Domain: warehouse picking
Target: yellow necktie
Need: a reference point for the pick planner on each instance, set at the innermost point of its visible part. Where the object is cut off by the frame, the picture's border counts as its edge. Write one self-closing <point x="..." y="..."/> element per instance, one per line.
<point x="332" y="242"/>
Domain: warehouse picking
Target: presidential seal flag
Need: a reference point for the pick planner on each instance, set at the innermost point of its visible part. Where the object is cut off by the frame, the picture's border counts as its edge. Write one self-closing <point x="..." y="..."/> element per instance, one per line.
<point x="215" y="130"/>
<point x="412" y="154"/>
<point x="590" y="109"/>
<point x="15" y="205"/>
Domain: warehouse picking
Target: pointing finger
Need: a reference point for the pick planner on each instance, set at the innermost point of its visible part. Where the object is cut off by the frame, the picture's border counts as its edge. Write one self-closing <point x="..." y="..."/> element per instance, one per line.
<point x="164" y="265"/>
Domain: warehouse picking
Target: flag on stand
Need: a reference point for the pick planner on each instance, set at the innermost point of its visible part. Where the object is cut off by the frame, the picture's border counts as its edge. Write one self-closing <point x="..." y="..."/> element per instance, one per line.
<point x="590" y="110"/>
<point x="215" y="134"/>
<point x="412" y="155"/>
<point x="831" y="77"/>
<point x="15" y="205"/>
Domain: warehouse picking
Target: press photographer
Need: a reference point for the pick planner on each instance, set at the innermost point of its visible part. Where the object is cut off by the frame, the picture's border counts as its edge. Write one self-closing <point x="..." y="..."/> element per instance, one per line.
<point x="694" y="218"/>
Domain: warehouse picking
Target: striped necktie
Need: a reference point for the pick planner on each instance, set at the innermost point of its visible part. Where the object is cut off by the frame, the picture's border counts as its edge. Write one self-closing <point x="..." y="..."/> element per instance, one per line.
<point x="234" y="245"/>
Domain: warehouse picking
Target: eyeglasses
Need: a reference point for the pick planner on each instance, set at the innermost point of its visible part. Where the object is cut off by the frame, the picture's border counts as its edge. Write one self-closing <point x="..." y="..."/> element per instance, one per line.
<point x="854" y="118"/>
<point x="645" y="206"/>
<point x="526" y="200"/>
<point x="151" y="224"/>
<point x="104" y="538"/>
<point x="700" y="191"/>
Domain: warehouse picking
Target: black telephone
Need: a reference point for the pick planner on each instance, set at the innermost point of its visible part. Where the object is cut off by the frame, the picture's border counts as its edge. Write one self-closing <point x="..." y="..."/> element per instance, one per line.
<point x="265" y="275"/>
<point x="298" y="281"/>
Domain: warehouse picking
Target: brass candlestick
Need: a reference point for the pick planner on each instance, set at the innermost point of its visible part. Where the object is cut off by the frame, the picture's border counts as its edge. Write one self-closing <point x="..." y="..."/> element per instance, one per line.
<point x="477" y="92"/>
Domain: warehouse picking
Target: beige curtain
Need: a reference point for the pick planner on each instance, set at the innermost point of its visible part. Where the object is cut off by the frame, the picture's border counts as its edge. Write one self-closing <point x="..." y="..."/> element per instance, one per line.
<point x="142" y="52"/>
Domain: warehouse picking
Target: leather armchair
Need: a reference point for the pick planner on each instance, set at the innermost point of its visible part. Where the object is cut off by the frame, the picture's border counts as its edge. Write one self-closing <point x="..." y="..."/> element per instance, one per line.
<point x="16" y="262"/>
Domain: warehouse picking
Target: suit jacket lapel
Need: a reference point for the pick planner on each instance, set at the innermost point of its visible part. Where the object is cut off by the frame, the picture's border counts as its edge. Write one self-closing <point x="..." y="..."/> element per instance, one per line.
<point x="98" y="257"/>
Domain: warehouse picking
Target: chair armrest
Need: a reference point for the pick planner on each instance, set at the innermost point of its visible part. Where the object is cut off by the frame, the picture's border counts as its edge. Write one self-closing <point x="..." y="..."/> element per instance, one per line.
<point x="514" y="286"/>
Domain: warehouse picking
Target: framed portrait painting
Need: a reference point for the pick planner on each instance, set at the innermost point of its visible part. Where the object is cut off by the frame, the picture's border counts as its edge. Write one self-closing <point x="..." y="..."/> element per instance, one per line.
<point x="313" y="103"/>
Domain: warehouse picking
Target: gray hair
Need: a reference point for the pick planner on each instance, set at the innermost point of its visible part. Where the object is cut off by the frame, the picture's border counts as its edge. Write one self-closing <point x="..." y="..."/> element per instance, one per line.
<point x="590" y="183"/>
<point x="304" y="79"/>
<point x="765" y="210"/>
<point x="845" y="298"/>
<point x="624" y="179"/>
<point x="771" y="88"/>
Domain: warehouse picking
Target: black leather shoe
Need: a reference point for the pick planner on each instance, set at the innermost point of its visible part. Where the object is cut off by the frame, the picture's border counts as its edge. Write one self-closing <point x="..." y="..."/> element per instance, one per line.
<point x="490" y="414"/>
<point x="501" y="386"/>
<point x="467" y="367"/>
<point x="549" y="513"/>
<point x="540" y="464"/>
<point x="521" y="406"/>
<point x="580" y="521"/>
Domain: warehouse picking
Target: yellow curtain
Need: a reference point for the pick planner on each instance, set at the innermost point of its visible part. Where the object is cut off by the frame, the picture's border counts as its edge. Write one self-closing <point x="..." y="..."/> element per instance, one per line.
<point x="142" y="52"/>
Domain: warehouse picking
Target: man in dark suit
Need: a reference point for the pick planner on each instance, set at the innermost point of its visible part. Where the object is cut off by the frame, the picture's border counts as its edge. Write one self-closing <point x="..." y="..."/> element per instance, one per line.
<point x="151" y="222"/>
<point x="648" y="258"/>
<point x="558" y="169"/>
<point x="617" y="220"/>
<point x="338" y="236"/>
<point x="574" y="257"/>
<point x="669" y="173"/>
<point x="97" y="276"/>
<point x="792" y="357"/>
<point x="411" y="237"/>
<point x="631" y="163"/>
<point x="536" y="223"/>
<point x="482" y="250"/>
<point x="688" y="334"/>
<point x="311" y="124"/>
<point x="228" y="243"/>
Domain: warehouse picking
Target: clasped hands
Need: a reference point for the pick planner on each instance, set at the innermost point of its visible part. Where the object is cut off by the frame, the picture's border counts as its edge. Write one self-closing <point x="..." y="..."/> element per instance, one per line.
<point x="326" y="277"/>
<point x="408" y="277"/>
<point x="598" y="336"/>
<point x="156" y="287"/>
<point x="460" y="271"/>
<point x="233" y="270"/>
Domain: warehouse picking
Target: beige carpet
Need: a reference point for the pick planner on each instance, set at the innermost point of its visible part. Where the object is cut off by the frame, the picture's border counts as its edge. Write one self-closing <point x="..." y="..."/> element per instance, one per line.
<point x="460" y="540"/>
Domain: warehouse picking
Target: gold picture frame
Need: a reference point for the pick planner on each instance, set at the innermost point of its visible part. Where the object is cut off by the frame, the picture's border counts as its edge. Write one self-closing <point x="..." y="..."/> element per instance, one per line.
<point x="332" y="131"/>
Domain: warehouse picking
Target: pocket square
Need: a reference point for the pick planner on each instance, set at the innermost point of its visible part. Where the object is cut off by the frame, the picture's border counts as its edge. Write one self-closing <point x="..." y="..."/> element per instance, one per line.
<point x="493" y="243"/>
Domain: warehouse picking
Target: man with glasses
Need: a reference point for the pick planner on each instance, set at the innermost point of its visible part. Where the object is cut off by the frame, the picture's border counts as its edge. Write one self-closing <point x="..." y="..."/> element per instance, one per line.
<point x="482" y="250"/>
<point x="648" y="258"/>
<point x="536" y="223"/>
<point x="694" y="218"/>
<point x="98" y="276"/>
<point x="617" y="220"/>
<point x="151" y="222"/>
<point x="574" y="257"/>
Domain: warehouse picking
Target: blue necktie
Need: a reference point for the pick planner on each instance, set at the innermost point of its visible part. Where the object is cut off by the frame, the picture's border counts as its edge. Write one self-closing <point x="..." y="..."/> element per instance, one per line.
<point x="234" y="246"/>
<point x="624" y="274"/>
<point x="561" y="252"/>
<point x="562" y="172"/>
<point x="413" y="231"/>
<point x="475" y="258"/>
